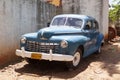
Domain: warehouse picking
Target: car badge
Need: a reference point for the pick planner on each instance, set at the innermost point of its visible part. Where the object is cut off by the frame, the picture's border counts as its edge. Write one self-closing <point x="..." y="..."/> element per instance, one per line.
<point x="42" y="37"/>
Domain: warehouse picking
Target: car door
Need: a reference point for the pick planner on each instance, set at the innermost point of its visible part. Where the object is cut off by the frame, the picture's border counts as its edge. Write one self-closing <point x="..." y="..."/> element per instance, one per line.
<point x="95" y="32"/>
<point x="91" y="33"/>
<point x="88" y="31"/>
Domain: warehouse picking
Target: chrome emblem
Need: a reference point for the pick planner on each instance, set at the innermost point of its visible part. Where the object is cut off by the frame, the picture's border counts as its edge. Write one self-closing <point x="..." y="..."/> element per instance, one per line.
<point x="42" y="37"/>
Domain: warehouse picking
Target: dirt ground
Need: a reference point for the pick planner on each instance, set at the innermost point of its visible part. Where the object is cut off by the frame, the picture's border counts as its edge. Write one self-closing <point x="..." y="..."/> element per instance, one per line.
<point x="104" y="66"/>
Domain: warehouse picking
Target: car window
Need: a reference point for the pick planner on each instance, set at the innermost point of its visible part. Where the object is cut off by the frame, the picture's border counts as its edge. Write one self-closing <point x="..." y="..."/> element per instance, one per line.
<point x="74" y="22"/>
<point x="67" y="21"/>
<point x="88" y="25"/>
<point x="59" y="21"/>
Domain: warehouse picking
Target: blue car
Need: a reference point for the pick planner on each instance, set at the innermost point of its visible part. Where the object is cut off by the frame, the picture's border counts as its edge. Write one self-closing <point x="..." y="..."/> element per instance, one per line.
<point x="69" y="38"/>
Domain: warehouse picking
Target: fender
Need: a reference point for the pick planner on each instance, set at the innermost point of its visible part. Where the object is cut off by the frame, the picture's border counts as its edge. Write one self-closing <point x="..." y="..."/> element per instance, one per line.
<point x="78" y="41"/>
<point x="100" y="37"/>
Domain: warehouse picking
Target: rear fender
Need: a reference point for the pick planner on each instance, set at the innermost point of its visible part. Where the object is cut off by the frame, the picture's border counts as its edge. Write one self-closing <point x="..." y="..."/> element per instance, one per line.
<point x="100" y="39"/>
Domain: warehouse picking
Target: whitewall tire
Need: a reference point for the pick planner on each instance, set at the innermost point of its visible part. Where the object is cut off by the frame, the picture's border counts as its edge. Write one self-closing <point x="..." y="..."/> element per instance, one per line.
<point x="76" y="60"/>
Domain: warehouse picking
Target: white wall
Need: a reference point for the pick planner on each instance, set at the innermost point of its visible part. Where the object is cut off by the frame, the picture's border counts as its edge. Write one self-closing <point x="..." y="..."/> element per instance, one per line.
<point x="16" y="18"/>
<point x="105" y="20"/>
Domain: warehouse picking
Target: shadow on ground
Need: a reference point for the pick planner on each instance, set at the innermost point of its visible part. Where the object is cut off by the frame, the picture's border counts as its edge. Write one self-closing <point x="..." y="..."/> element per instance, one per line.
<point x="111" y="59"/>
<point x="110" y="56"/>
<point x="54" y="69"/>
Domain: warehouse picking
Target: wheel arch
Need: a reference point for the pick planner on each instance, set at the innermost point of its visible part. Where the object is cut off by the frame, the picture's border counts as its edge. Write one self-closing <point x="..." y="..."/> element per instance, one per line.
<point x="82" y="49"/>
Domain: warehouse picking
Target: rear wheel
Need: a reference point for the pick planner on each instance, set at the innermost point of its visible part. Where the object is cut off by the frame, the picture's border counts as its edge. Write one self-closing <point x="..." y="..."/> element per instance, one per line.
<point x="98" y="51"/>
<point x="76" y="60"/>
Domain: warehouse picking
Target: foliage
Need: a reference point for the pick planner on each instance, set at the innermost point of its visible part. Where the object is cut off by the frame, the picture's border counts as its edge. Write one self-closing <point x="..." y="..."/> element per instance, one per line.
<point x="114" y="13"/>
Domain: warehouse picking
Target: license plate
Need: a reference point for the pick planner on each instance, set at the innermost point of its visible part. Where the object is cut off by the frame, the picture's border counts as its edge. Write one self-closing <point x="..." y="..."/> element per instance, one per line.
<point x="36" y="56"/>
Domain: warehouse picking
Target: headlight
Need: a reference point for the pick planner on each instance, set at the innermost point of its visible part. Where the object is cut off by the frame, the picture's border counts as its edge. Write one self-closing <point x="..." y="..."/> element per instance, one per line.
<point x="64" y="44"/>
<point x="23" y="40"/>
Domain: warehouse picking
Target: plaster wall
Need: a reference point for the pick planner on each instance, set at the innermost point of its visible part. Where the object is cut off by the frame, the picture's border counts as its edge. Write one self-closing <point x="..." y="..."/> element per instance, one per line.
<point x="16" y="18"/>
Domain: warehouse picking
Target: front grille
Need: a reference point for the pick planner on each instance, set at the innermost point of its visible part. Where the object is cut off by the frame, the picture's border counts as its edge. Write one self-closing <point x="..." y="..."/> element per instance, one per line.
<point x="42" y="47"/>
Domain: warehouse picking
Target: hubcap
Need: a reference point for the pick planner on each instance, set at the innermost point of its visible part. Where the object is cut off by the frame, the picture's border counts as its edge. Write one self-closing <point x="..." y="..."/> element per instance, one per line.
<point x="76" y="59"/>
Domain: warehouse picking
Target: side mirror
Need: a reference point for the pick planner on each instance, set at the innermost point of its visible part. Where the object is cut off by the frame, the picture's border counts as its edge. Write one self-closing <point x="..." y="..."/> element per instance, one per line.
<point x="48" y="24"/>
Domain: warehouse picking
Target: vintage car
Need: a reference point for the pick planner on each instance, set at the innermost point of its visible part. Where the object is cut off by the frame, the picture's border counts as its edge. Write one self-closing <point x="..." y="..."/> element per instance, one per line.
<point x="69" y="38"/>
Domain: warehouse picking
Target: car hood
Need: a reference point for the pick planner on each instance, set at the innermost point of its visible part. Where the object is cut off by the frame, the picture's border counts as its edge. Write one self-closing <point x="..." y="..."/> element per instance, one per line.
<point x="47" y="33"/>
<point x="56" y="34"/>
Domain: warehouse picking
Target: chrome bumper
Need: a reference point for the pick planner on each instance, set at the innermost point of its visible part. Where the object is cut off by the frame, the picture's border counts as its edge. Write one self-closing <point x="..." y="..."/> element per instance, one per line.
<point x="44" y="56"/>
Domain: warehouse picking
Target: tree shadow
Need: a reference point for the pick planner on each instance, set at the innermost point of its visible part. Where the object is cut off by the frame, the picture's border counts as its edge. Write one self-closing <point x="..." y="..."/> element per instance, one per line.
<point x="111" y="59"/>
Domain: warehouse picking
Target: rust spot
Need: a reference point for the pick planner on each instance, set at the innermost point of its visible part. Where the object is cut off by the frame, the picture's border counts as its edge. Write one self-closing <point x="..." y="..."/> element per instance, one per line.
<point x="106" y="37"/>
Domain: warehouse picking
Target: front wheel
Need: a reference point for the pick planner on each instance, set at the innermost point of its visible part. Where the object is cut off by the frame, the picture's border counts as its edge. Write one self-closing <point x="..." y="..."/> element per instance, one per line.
<point x="76" y="60"/>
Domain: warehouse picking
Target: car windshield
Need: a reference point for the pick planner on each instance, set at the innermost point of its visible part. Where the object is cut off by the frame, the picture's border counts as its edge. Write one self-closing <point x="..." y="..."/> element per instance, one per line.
<point x="67" y="21"/>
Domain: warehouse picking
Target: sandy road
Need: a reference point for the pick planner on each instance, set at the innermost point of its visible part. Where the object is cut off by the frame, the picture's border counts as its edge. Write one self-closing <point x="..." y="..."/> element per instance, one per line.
<point x="104" y="66"/>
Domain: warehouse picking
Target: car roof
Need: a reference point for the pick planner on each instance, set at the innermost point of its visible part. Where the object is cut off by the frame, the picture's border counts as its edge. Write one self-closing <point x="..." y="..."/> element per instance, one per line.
<point x="76" y="16"/>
